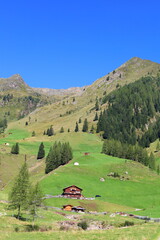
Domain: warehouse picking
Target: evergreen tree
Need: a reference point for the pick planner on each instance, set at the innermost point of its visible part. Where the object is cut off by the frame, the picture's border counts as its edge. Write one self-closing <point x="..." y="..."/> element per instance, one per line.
<point x="158" y="146"/>
<point x="85" y="126"/>
<point x="152" y="163"/>
<point x="35" y="200"/>
<point x="53" y="159"/>
<point x="80" y="120"/>
<point x="92" y="129"/>
<point x="61" y="130"/>
<point x="15" y="149"/>
<point x="96" y="117"/>
<point x="58" y="155"/>
<point x="76" y="128"/>
<point x="50" y="131"/>
<point x="64" y="154"/>
<point x="19" y="195"/>
<point x="33" y="133"/>
<point x="97" y="105"/>
<point x="68" y="129"/>
<point x="41" y="151"/>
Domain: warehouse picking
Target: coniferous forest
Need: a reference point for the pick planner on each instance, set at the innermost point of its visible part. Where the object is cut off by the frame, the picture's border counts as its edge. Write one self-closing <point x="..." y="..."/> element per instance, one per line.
<point x="132" y="113"/>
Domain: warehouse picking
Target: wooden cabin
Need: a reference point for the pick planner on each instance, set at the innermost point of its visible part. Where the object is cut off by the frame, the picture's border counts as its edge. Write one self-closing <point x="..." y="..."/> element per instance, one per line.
<point x="72" y="192"/>
<point x="67" y="207"/>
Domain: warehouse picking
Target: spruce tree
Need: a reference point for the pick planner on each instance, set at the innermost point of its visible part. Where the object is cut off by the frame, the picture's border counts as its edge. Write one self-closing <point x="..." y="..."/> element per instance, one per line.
<point x="41" y="151"/>
<point x="96" y="117"/>
<point x="50" y="131"/>
<point x="15" y="149"/>
<point x="33" y="133"/>
<point x="35" y="199"/>
<point x="97" y="105"/>
<point x="85" y="126"/>
<point x="19" y="195"/>
<point x="152" y="163"/>
<point x="158" y="146"/>
<point x="76" y="128"/>
<point x="61" y="130"/>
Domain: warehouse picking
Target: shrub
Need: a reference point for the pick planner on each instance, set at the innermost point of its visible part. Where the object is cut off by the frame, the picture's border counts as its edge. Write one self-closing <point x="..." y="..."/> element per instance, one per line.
<point x="126" y="223"/>
<point x="30" y="228"/>
<point x="83" y="225"/>
<point x="16" y="229"/>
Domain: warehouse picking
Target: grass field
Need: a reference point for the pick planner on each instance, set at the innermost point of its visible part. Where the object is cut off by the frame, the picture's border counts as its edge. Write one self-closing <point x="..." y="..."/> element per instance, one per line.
<point x="140" y="191"/>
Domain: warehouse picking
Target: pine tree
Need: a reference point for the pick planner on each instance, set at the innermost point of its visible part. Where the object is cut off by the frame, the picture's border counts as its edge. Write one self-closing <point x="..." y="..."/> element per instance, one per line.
<point x="15" y="149"/>
<point x="33" y="133"/>
<point x="19" y="195"/>
<point x="80" y="120"/>
<point x="152" y="163"/>
<point x="61" y="130"/>
<point x="76" y="128"/>
<point x="59" y="154"/>
<point x="96" y="117"/>
<point x="158" y="146"/>
<point x="35" y="199"/>
<point x="41" y="151"/>
<point x="53" y="159"/>
<point x="92" y="129"/>
<point x="50" y="131"/>
<point x="85" y="126"/>
<point x="97" y="105"/>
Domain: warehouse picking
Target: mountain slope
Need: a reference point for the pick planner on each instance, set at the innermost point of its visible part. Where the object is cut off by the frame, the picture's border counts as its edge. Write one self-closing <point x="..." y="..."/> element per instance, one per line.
<point x="67" y="111"/>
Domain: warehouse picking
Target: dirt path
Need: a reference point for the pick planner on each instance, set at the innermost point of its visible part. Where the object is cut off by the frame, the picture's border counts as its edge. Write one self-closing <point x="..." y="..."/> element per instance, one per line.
<point x="38" y="164"/>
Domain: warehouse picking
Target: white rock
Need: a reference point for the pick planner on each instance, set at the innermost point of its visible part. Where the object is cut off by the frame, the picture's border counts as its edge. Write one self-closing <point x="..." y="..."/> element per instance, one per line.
<point x="76" y="164"/>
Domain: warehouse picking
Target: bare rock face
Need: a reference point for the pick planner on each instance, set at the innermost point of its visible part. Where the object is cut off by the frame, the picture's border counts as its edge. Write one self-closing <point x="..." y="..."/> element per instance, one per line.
<point x="14" y="82"/>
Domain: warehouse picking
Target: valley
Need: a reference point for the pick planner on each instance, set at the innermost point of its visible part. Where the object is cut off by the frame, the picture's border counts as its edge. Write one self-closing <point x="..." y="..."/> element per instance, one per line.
<point x="122" y="185"/>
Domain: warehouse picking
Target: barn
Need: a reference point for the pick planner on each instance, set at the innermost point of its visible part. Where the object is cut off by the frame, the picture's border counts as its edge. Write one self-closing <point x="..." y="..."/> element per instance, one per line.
<point x="72" y="192"/>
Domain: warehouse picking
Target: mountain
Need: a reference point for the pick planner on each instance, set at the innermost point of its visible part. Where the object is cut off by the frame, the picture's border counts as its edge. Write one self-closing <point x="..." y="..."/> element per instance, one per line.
<point x="14" y="82"/>
<point x="60" y="92"/>
<point x="64" y="107"/>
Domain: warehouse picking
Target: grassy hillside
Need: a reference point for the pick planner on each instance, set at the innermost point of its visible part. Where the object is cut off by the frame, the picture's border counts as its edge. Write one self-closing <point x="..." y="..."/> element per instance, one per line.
<point x="69" y="109"/>
<point x="141" y="190"/>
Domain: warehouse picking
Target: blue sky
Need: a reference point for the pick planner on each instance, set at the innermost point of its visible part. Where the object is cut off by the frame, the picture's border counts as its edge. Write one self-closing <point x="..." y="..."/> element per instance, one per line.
<point x="66" y="43"/>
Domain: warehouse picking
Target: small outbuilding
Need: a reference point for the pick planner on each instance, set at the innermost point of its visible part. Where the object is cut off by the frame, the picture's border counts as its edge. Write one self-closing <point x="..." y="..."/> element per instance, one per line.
<point x="67" y="207"/>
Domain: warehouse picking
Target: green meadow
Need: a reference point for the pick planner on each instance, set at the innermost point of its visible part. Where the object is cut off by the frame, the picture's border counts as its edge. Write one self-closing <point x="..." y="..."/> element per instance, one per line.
<point x="137" y="188"/>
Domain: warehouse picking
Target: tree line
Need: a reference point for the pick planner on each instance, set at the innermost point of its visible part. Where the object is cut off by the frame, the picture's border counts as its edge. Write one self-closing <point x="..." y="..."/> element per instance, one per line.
<point x="132" y="152"/>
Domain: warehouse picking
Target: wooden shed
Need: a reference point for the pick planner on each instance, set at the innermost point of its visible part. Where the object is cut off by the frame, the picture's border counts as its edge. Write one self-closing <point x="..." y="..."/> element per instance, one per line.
<point x="67" y="207"/>
<point x="72" y="192"/>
